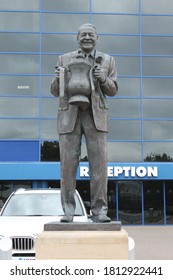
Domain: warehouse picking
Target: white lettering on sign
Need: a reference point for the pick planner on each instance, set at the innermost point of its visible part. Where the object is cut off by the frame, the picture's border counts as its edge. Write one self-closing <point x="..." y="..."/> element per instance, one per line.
<point x="84" y="171"/>
<point x="127" y="171"/>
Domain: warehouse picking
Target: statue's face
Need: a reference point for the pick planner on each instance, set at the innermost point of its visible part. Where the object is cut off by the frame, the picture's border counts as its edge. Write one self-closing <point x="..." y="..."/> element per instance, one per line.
<point x="87" y="38"/>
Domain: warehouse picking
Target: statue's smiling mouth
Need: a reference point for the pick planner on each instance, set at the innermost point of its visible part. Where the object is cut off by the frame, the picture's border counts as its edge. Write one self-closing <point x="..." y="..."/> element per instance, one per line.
<point x="87" y="41"/>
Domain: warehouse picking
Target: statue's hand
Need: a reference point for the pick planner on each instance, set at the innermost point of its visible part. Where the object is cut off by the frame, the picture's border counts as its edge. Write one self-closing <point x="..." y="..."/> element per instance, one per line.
<point x="99" y="74"/>
<point x="57" y="72"/>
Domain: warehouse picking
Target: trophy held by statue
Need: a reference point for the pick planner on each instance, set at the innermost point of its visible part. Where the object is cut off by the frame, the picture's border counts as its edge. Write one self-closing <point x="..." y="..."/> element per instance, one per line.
<point x="80" y="83"/>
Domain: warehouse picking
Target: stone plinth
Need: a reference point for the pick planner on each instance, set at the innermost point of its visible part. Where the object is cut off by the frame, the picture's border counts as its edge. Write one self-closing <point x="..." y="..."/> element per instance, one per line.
<point x="82" y="241"/>
<point x="55" y="226"/>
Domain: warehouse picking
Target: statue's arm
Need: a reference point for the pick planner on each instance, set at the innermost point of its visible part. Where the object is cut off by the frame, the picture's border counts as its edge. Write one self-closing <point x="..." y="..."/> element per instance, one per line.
<point x="109" y="86"/>
<point x="55" y="83"/>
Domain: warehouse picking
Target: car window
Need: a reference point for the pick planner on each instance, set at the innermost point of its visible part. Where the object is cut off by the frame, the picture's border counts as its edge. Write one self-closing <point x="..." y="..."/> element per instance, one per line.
<point x="37" y="204"/>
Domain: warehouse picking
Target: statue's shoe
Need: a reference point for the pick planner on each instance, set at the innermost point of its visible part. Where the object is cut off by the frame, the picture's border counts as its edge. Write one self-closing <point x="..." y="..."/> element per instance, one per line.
<point x="101" y="219"/>
<point x="66" y="219"/>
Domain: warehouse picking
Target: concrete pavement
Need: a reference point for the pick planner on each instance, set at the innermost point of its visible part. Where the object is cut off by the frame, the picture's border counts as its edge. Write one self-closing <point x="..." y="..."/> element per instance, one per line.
<point x="152" y="242"/>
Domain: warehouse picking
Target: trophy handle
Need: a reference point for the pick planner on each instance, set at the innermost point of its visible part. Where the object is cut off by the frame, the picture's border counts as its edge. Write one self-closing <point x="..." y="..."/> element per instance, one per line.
<point x="61" y="81"/>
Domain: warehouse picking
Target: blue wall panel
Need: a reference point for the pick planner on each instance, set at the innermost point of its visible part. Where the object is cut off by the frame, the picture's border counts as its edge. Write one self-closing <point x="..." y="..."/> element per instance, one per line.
<point x="19" y="150"/>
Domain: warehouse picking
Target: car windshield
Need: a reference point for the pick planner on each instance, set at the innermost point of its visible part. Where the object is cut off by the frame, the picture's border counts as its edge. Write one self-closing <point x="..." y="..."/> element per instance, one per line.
<point x="38" y="205"/>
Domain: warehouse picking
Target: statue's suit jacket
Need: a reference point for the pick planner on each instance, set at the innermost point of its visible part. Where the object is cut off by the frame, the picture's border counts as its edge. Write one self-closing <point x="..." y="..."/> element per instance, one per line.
<point x="67" y="113"/>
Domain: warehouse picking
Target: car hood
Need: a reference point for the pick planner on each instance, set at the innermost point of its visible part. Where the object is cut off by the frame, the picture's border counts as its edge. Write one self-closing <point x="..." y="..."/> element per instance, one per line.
<point x="28" y="225"/>
<point x="24" y="226"/>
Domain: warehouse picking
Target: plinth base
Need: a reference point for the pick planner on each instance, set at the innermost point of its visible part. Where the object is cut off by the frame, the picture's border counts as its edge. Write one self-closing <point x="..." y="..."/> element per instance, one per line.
<point x="82" y="244"/>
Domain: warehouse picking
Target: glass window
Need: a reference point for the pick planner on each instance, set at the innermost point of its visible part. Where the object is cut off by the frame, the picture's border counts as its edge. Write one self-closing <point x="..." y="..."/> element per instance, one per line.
<point x="119" y="44"/>
<point x="18" y="129"/>
<point x="49" y="130"/>
<point x="158" y="151"/>
<point x="157" y="45"/>
<point x="48" y="64"/>
<point x="115" y="24"/>
<point x="66" y="5"/>
<point x="51" y="22"/>
<point x="112" y="200"/>
<point x="156" y="108"/>
<point x="45" y="84"/>
<point x="50" y="151"/>
<point x="125" y="65"/>
<point x="22" y="184"/>
<point x="158" y="130"/>
<point x="19" y="21"/>
<point x="19" y="85"/>
<point x="157" y="25"/>
<point x="124" y="151"/>
<point x="19" y="64"/>
<point x="157" y="87"/>
<point x="128" y="87"/>
<point x="19" y="107"/>
<point x="157" y="66"/>
<point x="130" y="202"/>
<point x="108" y="44"/>
<point x="49" y="107"/>
<point x="169" y="202"/>
<point x="119" y="151"/>
<point x="11" y="42"/>
<point x="124" y="108"/>
<point x="6" y="188"/>
<point x="19" y="5"/>
<point x="157" y="6"/>
<point x="112" y="6"/>
<point x="61" y="43"/>
<point x="128" y="66"/>
<point x="153" y="202"/>
<point x="124" y="130"/>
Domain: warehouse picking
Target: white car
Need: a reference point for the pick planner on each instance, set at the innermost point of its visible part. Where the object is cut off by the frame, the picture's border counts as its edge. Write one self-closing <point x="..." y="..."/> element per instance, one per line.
<point x="24" y="214"/>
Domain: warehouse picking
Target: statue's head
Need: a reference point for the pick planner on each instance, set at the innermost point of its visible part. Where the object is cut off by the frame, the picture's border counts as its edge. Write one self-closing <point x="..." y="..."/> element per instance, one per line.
<point x="87" y="37"/>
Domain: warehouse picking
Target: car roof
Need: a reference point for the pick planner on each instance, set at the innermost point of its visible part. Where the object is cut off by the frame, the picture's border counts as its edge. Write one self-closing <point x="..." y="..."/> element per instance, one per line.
<point x="41" y="191"/>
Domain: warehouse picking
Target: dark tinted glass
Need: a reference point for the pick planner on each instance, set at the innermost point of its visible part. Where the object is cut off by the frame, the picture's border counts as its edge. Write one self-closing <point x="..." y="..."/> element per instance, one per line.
<point x="130" y="202"/>
<point x="169" y="202"/>
<point x="153" y="202"/>
<point x="158" y="151"/>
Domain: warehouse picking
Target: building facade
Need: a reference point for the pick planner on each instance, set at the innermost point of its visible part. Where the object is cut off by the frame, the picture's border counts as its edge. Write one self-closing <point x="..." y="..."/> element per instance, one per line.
<point x="138" y="33"/>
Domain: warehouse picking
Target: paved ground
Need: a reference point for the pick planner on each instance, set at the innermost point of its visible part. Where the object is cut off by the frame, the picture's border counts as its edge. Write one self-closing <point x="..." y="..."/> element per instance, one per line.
<point x="152" y="242"/>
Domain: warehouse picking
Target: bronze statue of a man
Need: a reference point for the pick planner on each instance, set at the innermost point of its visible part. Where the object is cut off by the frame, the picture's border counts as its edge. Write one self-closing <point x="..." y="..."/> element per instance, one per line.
<point x="85" y="114"/>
